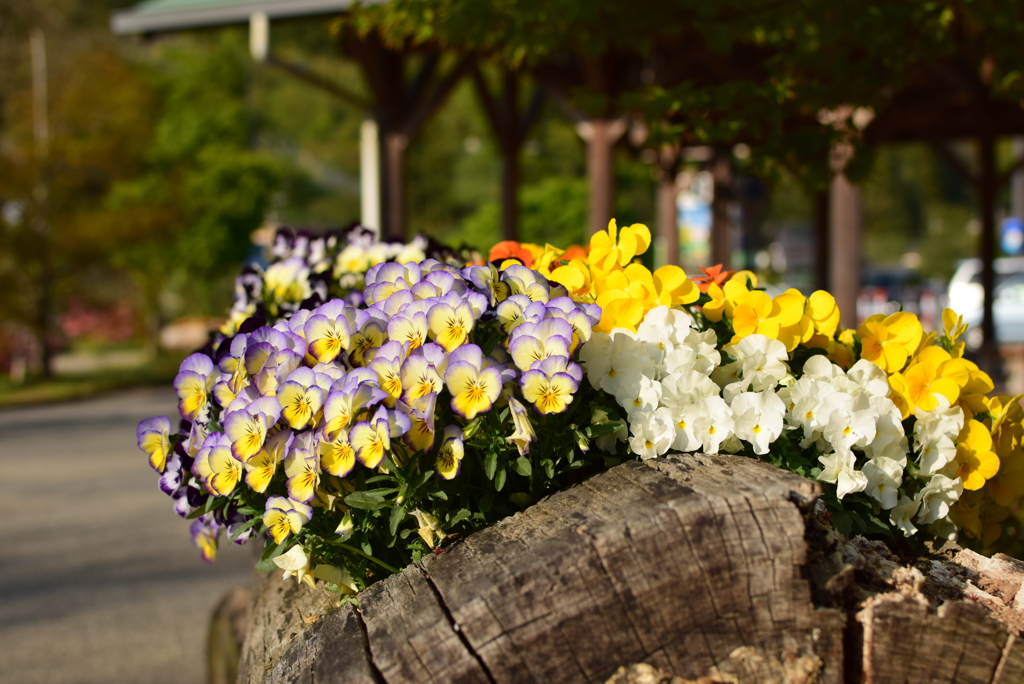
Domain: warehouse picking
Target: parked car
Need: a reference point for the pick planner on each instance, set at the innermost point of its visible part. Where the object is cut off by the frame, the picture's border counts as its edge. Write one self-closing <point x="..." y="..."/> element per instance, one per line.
<point x="966" y="296"/>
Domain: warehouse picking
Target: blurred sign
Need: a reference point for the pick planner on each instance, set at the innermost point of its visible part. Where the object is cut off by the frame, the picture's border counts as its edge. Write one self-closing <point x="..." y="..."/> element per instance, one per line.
<point x="1012" y="235"/>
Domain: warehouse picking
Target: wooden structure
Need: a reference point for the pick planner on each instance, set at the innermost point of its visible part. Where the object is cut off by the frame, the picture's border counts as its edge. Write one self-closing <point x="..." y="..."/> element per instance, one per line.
<point x="952" y="100"/>
<point x="697" y="565"/>
<point x="399" y="106"/>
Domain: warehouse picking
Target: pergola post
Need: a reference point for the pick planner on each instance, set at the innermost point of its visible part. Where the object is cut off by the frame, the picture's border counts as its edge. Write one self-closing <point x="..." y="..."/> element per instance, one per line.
<point x="721" y="224"/>
<point x="987" y="181"/>
<point x="844" y="250"/>
<point x="667" y="220"/>
<point x="601" y="135"/>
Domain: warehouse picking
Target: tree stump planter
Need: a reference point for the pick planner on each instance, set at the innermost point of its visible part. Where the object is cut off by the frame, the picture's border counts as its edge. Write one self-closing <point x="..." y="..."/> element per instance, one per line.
<point x="698" y="566"/>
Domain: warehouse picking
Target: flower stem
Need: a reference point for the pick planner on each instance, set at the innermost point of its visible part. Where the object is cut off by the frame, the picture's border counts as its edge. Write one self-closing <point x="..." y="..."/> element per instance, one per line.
<point x="389" y="568"/>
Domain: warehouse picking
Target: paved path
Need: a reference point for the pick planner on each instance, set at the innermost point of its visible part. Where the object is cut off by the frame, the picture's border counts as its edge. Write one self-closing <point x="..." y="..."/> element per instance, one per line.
<point x="99" y="581"/>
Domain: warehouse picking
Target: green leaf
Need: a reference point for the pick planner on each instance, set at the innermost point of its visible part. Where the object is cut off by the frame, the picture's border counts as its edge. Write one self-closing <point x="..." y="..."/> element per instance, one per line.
<point x="365" y="501"/>
<point x="245" y="527"/>
<point x="459" y="516"/>
<point x="490" y="464"/>
<point x="487" y="502"/>
<point x="523" y="466"/>
<point x="439" y="494"/>
<point x="549" y="467"/>
<point x="602" y="429"/>
<point x="422" y="480"/>
<point x="499" y="479"/>
<point x="397" y="515"/>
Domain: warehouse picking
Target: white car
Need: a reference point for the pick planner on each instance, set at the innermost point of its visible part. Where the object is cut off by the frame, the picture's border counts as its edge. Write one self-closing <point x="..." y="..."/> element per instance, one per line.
<point x="966" y="296"/>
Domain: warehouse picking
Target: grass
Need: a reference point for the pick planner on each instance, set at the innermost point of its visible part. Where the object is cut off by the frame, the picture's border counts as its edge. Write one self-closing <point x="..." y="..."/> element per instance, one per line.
<point x="37" y="390"/>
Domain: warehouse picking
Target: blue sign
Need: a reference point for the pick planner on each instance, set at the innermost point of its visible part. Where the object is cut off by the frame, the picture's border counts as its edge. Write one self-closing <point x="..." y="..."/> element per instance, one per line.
<point x="1012" y="235"/>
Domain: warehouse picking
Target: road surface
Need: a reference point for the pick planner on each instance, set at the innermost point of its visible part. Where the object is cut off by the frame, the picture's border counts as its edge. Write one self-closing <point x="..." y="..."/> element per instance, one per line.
<point x="99" y="581"/>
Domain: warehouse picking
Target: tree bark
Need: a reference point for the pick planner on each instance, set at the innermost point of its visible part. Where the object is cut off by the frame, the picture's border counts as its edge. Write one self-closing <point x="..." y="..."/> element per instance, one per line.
<point x="695" y="565"/>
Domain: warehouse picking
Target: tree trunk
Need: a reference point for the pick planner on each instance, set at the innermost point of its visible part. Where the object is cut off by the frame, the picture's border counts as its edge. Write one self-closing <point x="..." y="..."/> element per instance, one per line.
<point x="695" y="565"/>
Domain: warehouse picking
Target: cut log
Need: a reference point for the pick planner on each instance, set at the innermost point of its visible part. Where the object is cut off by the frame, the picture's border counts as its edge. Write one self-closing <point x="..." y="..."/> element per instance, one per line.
<point x="696" y="566"/>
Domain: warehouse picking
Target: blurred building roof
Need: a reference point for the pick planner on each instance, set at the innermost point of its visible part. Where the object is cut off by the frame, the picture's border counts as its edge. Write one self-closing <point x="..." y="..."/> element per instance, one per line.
<point x="156" y="16"/>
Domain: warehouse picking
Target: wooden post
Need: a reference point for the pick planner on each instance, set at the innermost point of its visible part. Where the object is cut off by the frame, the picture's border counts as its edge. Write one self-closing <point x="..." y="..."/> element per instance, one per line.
<point x="395" y="144"/>
<point x="990" y="361"/>
<point x="601" y="136"/>
<point x="844" y="237"/>
<point x="721" y="225"/>
<point x="41" y="194"/>
<point x="822" y="242"/>
<point x="667" y="213"/>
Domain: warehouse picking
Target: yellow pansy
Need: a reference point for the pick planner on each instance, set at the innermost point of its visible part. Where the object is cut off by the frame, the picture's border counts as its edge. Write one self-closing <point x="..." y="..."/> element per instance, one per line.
<point x="925" y="378"/>
<point x="974" y="454"/>
<point x="619" y="310"/>
<point x="618" y="247"/>
<point x="674" y="288"/>
<point x="723" y="299"/>
<point x="888" y="341"/>
<point x="823" y="312"/>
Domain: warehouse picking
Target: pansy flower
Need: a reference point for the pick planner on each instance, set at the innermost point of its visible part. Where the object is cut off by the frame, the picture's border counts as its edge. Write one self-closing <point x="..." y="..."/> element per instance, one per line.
<point x="337" y="455"/>
<point x="359" y="391"/>
<point x="153" y="436"/>
<point x="215" y="467"/>
<point x="450" y="325"/>
<point x="327" y="332"/>
<point x="449" y="456"/>
<point x="194" y="383"/>
<point x="301" y="398"/>
<point x="551" y="384"/>
<point x="247" y="427"/>
<point x="260" y="469"/>
<point x="204" y="536"/>
<point x="302" y="466"/>
<point x="420" y="435"/>
<point x="285" y="517"/>
<point x="473" y="385"/>
<point x="530" y="343"/>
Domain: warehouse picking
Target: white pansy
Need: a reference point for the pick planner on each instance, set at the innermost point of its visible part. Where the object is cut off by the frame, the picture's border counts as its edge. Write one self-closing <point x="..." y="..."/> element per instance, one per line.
<point x="870" y="378"/>
<point x="944" y="528"/>
<point x="884" y="479"/>
<point x="758" y="418"/>
<point x="296" y="562"/>
<point x="839" y="470"/>
<point x="612" y="360"/>
<point x="640" y="394"/>
<point x="847" y="428"/>
<point x="821" y="368"/>
<point x="653" y="434"/>
<point x="728" y="374"/>
<point x="680" y="360"/>
<point x="704" y="346"/>
<point x="683" y="389"/>
<point x="682" y="420"/>
<point x="943" y="421"/>
<point x="937" y="497"/>
<point x="935" y="455"/>
<point x="901" y="515"/>
<point x="712" y="423"/>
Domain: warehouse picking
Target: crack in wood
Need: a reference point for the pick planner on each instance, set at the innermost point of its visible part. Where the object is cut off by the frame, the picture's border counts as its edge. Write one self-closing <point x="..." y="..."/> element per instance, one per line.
<point x="455" y="626"/>
<point x="378" y="676"/>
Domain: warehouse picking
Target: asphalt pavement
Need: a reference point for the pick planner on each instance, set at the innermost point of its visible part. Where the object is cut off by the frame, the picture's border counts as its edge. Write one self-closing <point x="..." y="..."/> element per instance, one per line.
<point x="99" y="581"/>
